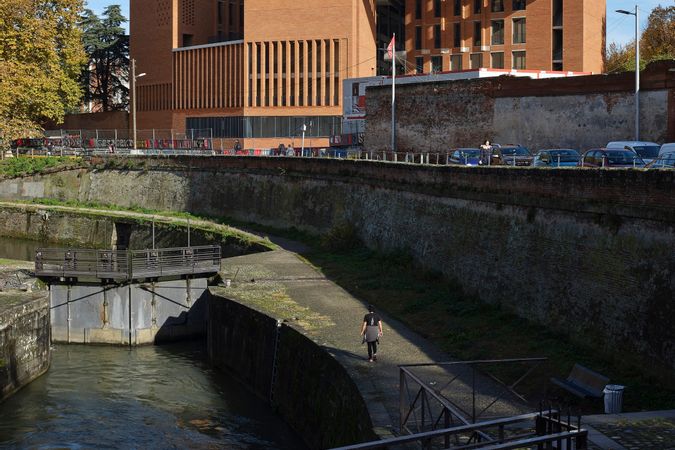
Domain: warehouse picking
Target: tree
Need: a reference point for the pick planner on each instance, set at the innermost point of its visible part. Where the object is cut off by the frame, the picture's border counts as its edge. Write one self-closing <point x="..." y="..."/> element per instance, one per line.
<point x="656" y="43"/>
<point x="40" y="60"/>
<point x="105" y="78"/>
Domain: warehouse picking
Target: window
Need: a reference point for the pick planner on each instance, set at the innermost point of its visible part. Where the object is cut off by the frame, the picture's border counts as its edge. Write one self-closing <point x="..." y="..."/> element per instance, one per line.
<point x="498" y="60"/>
<point x="557" y="45"/>
<point x="477" y="6"/>
<point x="477" y="34"/>
<point x="519" y="60"/>
<point x="497" y="32"/>
<point x="518" y="5"/>
<point x="497" y="5"/>
<point x="436" y="64"/>
<point x="187" y="40"/>
<point x="419" y="64"/>
<point x="458" y="8"/>
<point x="457" y="35"/>
<point x="418" y="9"/>
<point x="519" y="31"/>
<point x="557" y="13"/>
<point x="437" y="36"/>
<point x="456" y="62"/>
<point x="476" y="60"/>
<point x="437" y="8"/>
<point x="418" y="38"/>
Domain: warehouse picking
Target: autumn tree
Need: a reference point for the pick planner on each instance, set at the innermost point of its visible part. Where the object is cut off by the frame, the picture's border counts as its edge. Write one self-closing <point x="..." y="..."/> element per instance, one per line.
<point x="41" y="57"/>
<point x="105" y="77"/>
<point x="656" y="43"/>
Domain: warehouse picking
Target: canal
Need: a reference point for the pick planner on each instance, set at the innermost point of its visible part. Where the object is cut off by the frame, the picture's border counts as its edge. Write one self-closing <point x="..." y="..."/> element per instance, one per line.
<point x="147" y="397"/>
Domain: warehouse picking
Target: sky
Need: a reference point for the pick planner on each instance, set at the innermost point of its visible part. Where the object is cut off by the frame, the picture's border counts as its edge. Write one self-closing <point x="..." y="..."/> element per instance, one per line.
<point x="620" y="27"/>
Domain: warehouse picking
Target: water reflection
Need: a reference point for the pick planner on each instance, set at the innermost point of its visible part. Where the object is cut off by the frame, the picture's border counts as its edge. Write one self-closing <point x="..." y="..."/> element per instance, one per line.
<point x="19" y="249"/>
<point x="149" y="397"/>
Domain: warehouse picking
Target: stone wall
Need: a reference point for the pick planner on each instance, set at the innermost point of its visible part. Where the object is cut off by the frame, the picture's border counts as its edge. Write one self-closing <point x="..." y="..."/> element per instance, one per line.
<point x="309" y="389"/>
<point x="578" y="112"/>
<point x="584" y="252"/>
<point x="24" y="340"/>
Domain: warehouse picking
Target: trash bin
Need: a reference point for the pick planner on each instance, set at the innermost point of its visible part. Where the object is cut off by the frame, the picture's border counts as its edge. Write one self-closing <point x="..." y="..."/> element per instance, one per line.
<point x="613" y="398"/>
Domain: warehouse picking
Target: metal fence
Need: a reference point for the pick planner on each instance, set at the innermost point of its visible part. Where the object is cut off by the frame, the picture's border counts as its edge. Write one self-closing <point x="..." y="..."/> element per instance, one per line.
<point x="127" y="264"/>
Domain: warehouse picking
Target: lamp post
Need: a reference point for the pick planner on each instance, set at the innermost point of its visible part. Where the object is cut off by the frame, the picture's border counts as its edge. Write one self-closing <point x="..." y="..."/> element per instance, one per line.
<point x="134" y="77"/>
<point x="637" y="67"/>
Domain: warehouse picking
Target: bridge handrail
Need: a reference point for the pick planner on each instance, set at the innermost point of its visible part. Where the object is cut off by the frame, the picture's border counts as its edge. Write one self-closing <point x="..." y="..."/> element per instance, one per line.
<point x="127" y="264"/>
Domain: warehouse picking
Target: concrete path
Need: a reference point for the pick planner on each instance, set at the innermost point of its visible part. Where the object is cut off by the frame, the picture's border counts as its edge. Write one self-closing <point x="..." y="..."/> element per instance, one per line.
<point x="283" y="285"/>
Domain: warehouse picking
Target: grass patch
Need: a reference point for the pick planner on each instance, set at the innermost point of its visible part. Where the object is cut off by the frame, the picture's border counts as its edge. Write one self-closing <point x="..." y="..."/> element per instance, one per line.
<point x="18" y="167"/>
<point x="468" y="329"/>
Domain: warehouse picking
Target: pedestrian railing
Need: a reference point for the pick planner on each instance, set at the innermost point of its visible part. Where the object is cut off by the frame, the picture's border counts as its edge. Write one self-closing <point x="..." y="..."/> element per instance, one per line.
<point x="542" y="430"/>
<point x="127" y="264"/>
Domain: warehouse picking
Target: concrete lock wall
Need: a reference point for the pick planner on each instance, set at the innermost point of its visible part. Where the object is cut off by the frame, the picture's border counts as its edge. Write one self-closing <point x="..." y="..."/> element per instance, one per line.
<point x="309" y="389"/>
<point x="584" y="252"/>
<point x="576" y="112"/>
<point x="24" y="340"/>
<point x="103" y="314"/>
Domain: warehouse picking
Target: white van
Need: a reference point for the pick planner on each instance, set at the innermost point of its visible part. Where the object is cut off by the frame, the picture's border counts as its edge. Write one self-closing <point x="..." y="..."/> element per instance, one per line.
<point x="646" y="150"/>
<point x="667" y="148"/>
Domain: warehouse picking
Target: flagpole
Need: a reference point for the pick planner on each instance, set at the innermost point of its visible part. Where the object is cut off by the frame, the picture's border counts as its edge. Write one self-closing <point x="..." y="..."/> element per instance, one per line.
<point x="393" y="94"/>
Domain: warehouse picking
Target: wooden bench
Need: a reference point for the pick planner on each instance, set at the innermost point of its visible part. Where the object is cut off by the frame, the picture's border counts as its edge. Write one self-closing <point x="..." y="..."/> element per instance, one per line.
<point x="583" y="382"/>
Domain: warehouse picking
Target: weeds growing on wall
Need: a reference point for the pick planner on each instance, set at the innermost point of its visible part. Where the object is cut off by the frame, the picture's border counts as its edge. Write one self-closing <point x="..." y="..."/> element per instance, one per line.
<point x="18" y="167"/>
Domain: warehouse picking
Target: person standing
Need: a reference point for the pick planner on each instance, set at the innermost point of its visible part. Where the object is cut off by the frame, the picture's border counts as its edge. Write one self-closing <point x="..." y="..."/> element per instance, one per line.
<point x="371" y="330"/>
<point x="485" y="153"/>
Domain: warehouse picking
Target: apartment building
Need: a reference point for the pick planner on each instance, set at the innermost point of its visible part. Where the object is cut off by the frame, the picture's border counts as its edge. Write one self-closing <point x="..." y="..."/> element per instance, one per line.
<point x="454" y="35"/>
<point x="256" y="70"/>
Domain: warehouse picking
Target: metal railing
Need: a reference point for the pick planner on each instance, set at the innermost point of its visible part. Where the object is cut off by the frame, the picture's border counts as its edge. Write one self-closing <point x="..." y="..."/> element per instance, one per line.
<point x="542" y="430"/>
<point x="127" y="264"/>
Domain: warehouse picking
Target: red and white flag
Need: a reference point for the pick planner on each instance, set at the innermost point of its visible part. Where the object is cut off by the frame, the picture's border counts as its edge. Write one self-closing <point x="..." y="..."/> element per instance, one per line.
<point x="391" y="48"/>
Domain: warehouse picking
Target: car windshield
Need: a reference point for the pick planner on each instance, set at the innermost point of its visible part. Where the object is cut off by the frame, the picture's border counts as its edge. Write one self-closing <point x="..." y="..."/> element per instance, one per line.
<point x="556" y="153"/>
<point x="623" y="157"/>
<point x="468" y="153"/>
<point x="648" y="151"/>
<point x="517" y="151"/>
<point x="667" y="160"/>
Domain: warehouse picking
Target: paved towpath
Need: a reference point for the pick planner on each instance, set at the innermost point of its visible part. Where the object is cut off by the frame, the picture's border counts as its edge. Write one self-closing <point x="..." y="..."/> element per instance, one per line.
<point x="285" y="286"/>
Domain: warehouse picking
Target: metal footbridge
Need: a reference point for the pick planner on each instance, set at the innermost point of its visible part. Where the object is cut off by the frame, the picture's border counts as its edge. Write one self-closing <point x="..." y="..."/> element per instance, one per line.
<point x="122" y="265"/>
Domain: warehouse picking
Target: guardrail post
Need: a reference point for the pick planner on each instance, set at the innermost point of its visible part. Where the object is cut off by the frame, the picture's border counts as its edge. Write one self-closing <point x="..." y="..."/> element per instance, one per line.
<point x="401" y="402"/>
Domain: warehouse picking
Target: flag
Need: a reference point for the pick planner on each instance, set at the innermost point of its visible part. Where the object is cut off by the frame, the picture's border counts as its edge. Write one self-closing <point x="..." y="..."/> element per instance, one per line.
<point x="391" y="48"/>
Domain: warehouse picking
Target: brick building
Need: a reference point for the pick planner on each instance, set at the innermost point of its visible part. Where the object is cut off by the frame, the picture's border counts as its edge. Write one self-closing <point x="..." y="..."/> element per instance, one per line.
<point x="255" y="70"/>
<point x="443" y="35"/>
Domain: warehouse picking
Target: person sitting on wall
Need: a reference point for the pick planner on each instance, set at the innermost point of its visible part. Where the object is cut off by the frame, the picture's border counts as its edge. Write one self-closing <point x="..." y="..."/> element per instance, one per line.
<point x="237" y="146"/>
<point x="290" y="151"/>
<point x="282" y="149"/>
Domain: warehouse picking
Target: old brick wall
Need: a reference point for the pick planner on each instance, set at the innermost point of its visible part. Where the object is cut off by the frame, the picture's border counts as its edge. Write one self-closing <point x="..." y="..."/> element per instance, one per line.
<point x="24" y="340"/>
<point x="584" y="252"/>
<point x="580" y="112"/>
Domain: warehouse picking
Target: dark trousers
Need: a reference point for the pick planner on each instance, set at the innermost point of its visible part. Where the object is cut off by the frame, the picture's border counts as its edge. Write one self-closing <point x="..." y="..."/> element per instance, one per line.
<point x="372" y="349"/>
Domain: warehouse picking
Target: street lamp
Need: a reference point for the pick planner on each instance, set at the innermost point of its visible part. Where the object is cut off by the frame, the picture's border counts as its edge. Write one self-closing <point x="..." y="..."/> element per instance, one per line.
<point x="134" y="77"/>
<point x="637" y="67"/>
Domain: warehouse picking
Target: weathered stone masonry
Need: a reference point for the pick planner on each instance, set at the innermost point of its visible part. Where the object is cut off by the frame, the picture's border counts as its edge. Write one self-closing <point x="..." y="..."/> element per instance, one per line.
<point x="24" y="340"/>
<point x="585" y="252"/>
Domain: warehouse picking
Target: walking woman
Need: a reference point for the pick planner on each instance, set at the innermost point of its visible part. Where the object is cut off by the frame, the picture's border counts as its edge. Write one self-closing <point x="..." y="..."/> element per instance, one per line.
<point x="371" y="330"/>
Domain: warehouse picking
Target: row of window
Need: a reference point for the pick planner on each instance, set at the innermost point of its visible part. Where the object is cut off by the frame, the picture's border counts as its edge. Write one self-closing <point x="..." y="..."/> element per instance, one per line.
<point x="518" y="61"/>
<point x="497" y="35"/>
<point x="495" y="6"/>
<point x="267" y="127"/>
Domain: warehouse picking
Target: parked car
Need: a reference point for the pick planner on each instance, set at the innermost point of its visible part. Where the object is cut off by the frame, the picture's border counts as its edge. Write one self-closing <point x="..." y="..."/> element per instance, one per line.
<point x="664" y="161"/>
<point x="513" y="155"/>
<point x="646" y="150"/>
<point x="556" y="157"/>
<point x="464" y="156"/>
<point x="667" y="148"/>
<point x="610" y="157"/>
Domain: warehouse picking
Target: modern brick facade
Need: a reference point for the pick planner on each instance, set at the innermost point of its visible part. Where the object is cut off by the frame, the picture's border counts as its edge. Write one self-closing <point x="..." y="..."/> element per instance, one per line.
<point x="444" y="35"/>
<point x="256" y="70"/>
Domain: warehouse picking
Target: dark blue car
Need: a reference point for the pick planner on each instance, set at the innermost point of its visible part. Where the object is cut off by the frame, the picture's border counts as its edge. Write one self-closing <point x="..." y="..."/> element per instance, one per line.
<point x="556" y="157"/>
<point x="464" y="157"/>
